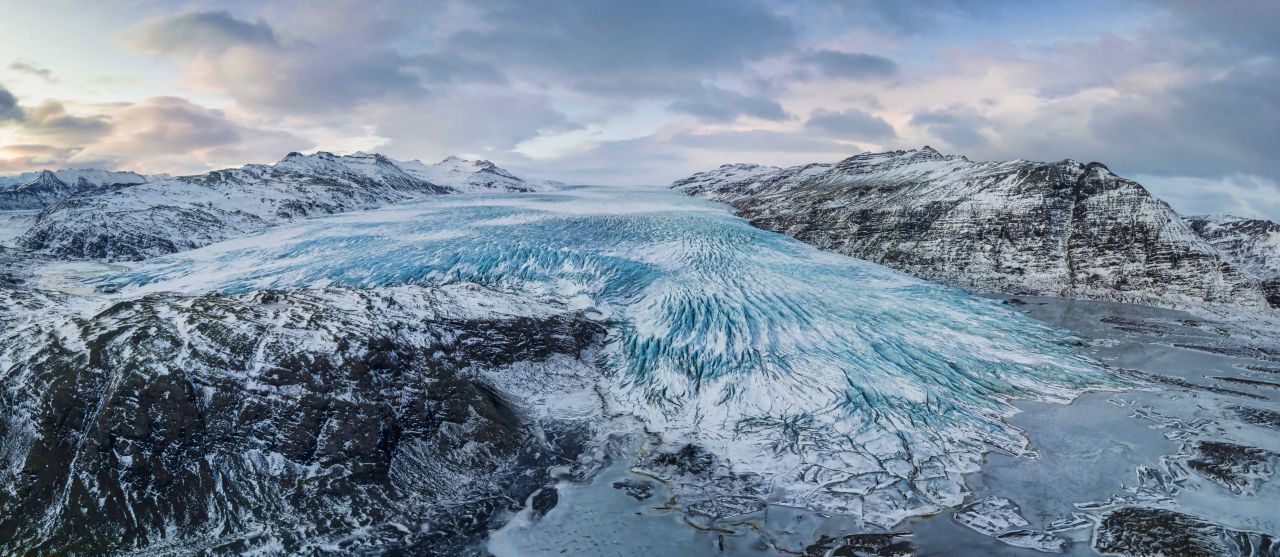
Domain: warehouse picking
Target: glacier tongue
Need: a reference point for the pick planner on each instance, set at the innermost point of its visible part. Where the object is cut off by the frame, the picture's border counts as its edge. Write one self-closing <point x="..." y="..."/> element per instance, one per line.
<point x="815" y="379"/>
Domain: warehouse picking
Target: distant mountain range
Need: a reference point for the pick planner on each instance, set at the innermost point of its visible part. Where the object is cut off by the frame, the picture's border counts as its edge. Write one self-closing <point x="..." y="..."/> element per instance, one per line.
<point x="127" y="216"/>
<point x="37" y="190"/>
<point x="1052" y="228"/>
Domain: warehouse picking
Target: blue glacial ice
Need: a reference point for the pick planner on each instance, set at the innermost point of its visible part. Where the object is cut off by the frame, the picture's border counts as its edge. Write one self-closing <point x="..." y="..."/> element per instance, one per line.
<point x="835" y="384"/>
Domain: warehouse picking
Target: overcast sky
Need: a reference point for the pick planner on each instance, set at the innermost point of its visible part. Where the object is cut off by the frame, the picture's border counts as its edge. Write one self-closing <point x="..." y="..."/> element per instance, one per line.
<point x="1183" y="96"/>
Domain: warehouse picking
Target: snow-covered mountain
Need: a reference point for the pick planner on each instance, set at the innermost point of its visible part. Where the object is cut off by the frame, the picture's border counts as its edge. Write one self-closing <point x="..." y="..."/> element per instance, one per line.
<point x="464" y="175"/>
<point x="1249" y="244"/>
<point x="1060" y="228"/>
<point x="37" y="190"/>
<point x="153" y="218"/>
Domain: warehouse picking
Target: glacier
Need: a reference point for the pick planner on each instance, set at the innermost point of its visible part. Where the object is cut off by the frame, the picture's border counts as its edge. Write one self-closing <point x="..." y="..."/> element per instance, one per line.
<point x="806" y="378"/>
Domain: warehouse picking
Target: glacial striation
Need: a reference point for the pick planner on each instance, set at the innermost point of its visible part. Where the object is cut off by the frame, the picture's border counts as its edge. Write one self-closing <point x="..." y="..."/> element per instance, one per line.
<point x="779" y="373"/>
<point x="1062" y="228"/>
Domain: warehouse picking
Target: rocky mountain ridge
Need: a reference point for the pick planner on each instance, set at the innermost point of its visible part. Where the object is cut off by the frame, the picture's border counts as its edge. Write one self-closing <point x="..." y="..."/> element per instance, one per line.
<point x="1250" y="244"/>
<point x="37" y="190"/>
<point x="1061" y="228"/>
<point x="133" y="221"/>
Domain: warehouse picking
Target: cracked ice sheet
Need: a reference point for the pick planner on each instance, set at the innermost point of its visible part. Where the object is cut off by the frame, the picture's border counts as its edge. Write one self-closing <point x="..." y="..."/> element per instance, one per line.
<point x="848" y="387"/>
<point x="1095" y="448"/>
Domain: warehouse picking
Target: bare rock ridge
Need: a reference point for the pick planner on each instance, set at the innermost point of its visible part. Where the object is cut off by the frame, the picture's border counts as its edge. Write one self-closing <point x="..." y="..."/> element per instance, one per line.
<point x="1054" y="228"/>
<point x="135" y="217"/>
<point x="1249" y="244"/>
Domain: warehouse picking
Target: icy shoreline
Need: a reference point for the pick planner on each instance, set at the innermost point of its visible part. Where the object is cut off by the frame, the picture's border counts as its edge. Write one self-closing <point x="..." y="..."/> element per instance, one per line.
<point x="1099" y="457"/>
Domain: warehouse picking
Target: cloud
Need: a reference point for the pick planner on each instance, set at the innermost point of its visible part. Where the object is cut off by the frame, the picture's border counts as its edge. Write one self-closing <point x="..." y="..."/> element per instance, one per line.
<point x="31" y="68"/>
<point x="482" y="123"/>
<point x="1201" y="128"/>
<point x="636" y="51"/>
<point x="851" y="123"/>
<point x="721" y="105"/>
<point x="1243" y="23"/>
<point x="1246" y="195"/>
<point x="846" y="65"/>
<point x="9" y="109"/>
<point x="197" y="32"/>
<point x="659" y="159"/>
<point x="1170" y="88"/>
<point x="449" y="67"/>
<point x="25" y="156"/>
<point x="162" y="131"/>
<point x="957" y="131"/>
<point x="50" y="121"/>
<point x="754" y="141"/>
<point x="157" y="134"/>
<point x="912" y="17"/>
<point x="628" y="39"/>
<point x="260" y="70"/>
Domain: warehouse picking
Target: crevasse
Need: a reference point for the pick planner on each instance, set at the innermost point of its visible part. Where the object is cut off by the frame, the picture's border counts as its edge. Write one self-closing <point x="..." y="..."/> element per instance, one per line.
<point x="842" y="385"/>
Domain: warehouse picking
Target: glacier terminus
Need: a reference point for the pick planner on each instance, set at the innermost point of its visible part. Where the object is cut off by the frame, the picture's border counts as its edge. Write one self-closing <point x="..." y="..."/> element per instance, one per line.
<point x="459" y="372"/>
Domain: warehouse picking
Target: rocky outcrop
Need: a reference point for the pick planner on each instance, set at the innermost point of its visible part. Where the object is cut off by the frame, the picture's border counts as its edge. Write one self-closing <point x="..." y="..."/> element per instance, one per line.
<point x="1062" y="228"/>
<point x="1146" y="531"/>
<point x="1250" y="244"/>
<point x="139" y="221"/>
<point x="335" y="421"/>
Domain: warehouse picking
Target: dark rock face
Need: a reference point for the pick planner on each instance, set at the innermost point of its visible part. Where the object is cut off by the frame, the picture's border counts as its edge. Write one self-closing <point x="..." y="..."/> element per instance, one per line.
<point x="1250" y="244"/>
<point x="544" y="500"/>
<point x="1063" y="228"/>
<point x="636" y="489"/>
<point x="1150" y="532"/>
<point x="1234" y="467"/>
<point x="706" y="486"/>
<point x="1258" y="416"/>
<point x="333" y="421"/>
<point x="1236" y="351"/>
<point x="1249" y="382"/>
<point x="888" y="544"/>
<point x="1183" y="383"/>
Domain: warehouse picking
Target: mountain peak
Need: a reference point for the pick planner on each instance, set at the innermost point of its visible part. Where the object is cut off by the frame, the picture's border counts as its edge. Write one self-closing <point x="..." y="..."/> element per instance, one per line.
<point x="892" y="203"/>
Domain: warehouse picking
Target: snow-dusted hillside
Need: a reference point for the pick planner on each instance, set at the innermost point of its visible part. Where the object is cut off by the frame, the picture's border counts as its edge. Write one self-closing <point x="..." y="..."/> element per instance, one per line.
<point x="165" y="216"/>
<point x="315" y="422"/>
<point x="37" y="190"/>
<point x="1062" y="228"/>
<point x="1252" y="245"/>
